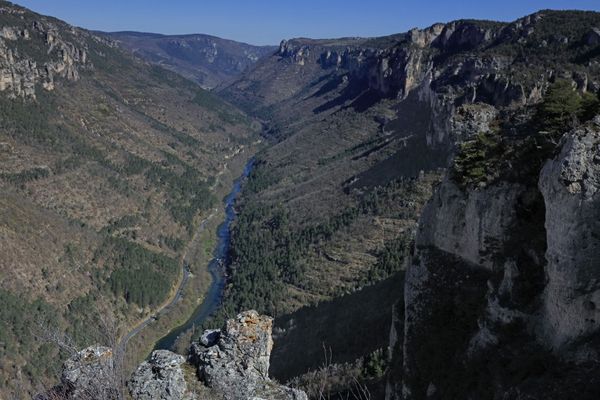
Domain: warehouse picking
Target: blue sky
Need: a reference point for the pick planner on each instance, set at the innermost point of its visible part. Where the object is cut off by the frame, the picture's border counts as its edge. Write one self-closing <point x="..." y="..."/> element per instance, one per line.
<point x="269" y="21"/>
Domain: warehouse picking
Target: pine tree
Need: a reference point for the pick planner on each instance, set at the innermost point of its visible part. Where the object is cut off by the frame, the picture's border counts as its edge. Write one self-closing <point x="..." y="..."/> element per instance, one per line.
<point x="560" y="109"/>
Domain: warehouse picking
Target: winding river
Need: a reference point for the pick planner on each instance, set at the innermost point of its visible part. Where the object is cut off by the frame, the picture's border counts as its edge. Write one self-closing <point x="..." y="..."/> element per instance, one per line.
<point x="213" y="297"/>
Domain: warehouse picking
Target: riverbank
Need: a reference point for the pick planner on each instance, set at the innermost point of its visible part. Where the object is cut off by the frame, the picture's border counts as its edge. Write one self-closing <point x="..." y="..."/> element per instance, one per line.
<point x="200" y="254"/>
<point x="213" y="296"/>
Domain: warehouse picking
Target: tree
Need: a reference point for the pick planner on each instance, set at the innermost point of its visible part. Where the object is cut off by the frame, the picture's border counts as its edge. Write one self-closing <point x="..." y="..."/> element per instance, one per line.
<point x="560" y="108"/>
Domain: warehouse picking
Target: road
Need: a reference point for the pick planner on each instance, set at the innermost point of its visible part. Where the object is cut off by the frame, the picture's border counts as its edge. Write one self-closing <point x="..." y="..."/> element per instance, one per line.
<point x="184" y="278"/>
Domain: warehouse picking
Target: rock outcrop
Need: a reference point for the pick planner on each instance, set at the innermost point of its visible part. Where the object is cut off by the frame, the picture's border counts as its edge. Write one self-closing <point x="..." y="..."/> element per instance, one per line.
<point x="236" y="361"/>
<point x="570" y="185"/>
<point x="89" y="374"/>
<point x="505" y="281"/>
<point x="161" y="377"/>
<point x="231" y="363"/>
<point x="418" y="58"/>
<point x="56" y="58"/>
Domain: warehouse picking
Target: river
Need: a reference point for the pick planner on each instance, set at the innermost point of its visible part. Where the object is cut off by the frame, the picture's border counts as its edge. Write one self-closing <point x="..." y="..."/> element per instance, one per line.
<point x="212" y="300"/>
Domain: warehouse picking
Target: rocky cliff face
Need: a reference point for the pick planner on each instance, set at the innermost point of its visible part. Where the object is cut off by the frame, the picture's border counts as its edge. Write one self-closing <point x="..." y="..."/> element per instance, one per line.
<point x="89" y="374"/>
<point x="231" y="363"/>
<point x="445" y="65"/>
<point x="501" y="282"/>
<point x="504" y="283"/>
<point x="570" y="185"/>
<point x="59" y="57"/>
<point x="235" y="361"/>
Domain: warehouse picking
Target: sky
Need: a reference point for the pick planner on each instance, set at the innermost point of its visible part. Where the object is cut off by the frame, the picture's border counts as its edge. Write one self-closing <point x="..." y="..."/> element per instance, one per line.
<point x="270" y="21"/>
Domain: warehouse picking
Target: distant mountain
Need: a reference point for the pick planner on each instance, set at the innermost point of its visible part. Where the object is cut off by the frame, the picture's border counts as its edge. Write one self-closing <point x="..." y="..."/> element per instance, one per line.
<point x="208" y="60"/>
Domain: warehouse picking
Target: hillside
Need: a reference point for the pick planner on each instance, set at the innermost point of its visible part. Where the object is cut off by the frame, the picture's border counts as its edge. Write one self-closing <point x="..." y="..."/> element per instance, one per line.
<point x="107" y="164"/>
<point x="208" y="60"/>
<point x="362" y="129"/>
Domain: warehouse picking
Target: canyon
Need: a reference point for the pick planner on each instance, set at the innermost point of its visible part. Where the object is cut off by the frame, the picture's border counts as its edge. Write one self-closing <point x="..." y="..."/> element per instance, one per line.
<point x="420" y="221"/>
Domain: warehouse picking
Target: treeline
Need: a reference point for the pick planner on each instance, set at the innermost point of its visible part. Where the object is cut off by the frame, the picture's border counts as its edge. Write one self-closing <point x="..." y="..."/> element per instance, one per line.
<point x="261" y="178"/>
<point x="391" y="258"/>
<point x="139" y="275"/>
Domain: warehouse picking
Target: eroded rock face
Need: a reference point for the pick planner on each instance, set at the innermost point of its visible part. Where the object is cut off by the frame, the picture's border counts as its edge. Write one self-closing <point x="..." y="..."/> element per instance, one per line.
<point x="505" y="280"/>
<point x="19" y="75"/>
<point x="571" y="188"/>
<point x="237" y="363"/>
<point x="231" y="363"/>
<point x="161" y="377"/>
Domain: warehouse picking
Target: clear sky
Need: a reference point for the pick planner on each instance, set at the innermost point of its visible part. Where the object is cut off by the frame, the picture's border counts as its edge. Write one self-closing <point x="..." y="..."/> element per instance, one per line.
<point x="269" y="21"/>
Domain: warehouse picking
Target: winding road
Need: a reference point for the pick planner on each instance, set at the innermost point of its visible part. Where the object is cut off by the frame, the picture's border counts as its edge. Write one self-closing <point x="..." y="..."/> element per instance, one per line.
<point x="183" y="280"/>
<point x="184" y="276"/>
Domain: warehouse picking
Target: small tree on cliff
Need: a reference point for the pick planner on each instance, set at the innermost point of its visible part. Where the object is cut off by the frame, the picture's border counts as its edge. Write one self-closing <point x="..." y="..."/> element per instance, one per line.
<point x="560" y="108"/>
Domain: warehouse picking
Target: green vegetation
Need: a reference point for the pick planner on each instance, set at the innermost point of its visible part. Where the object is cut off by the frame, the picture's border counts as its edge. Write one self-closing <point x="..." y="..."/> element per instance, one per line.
<point x="21" y="325"/>
<point x="175" y="244"/>
<point x="375" y="365"/>
<point x="477" y="160"/>
<point x="554" y="40"/>
<point x="188" y="192"/>
<point x="140" y="276"/>
<point x="126" y="221"/>
<point x="563" y="108"/>
<point x="261" y="178"/>
<point x="209" y="101"/>
<point x="498" y="154"/>
<point x="29" y="122"/>
<point x="269" y="250"/>
<point x="26" y="176"/>
<point x="83" y="321"/>
<point x="391" y="258"/>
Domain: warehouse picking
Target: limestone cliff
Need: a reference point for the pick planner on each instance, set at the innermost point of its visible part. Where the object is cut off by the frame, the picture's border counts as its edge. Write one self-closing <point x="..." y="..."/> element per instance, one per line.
<point x="34" y="52"/>
<point x="500" y="300"/>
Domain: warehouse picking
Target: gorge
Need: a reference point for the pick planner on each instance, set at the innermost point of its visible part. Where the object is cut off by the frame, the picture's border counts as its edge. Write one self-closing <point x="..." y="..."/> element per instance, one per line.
<point x="213" y="297"/>
<point x="419" y="221"/>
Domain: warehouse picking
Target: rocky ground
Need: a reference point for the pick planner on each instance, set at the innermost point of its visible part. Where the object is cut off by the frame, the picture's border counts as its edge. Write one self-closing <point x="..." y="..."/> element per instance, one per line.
<point x="231" y="363"/>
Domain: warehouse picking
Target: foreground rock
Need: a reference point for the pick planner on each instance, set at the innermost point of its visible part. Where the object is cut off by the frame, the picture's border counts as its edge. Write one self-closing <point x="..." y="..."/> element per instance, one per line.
<point x="161" y="377"/>
<point x="236" y="361"/>
<point x="89" y="374"/>
<point x="231" y="363"/>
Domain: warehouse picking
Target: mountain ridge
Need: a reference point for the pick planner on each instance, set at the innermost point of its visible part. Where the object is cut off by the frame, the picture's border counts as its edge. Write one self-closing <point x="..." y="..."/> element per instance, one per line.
<point x="209" y="60"/>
